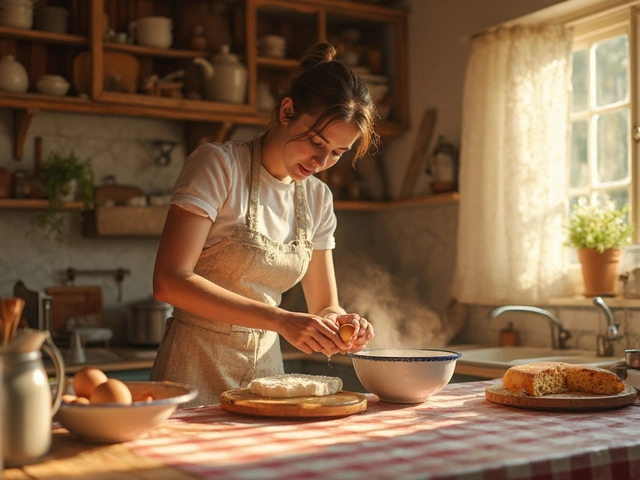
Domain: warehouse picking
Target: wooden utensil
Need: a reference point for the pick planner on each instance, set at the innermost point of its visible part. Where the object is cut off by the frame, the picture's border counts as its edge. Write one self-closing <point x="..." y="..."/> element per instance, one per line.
<point x="11" y="313"/>
<point x="568" y="401"/>
<point x="423" y="137"/>
<point x="341" y="404"/>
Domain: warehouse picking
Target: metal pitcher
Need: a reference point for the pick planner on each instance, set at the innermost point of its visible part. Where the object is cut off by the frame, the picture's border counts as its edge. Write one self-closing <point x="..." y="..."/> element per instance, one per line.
<point x="28" y="404"/>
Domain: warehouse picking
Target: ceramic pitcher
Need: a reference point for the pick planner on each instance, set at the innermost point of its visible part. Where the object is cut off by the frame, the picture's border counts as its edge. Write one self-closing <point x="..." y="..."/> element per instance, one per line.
<point x="28" y="404"/>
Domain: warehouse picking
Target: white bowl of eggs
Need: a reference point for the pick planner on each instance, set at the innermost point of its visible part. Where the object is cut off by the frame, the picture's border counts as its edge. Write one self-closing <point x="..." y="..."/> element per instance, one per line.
<point x="107" y="410"/>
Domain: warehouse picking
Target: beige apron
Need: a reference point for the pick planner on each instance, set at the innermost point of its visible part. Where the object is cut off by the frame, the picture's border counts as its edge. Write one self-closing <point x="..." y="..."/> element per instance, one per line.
<point x="215" y="356"/>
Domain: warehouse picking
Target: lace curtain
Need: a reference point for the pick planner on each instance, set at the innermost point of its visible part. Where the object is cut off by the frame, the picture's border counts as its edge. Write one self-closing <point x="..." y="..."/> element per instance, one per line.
<point x="515" y="138"/>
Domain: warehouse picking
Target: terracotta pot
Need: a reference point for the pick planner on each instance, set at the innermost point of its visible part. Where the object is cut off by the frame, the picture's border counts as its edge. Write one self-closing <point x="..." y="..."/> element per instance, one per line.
<point x="599" y="271"/>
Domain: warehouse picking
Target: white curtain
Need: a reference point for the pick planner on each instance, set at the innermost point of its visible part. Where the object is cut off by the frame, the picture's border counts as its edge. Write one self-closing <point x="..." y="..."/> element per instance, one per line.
<point x="515" y="139"/>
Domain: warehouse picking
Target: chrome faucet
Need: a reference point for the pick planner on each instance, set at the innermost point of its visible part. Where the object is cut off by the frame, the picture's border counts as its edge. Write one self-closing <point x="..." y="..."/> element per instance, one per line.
<point x="605" y="342"/>
<point x="558" y="341"/>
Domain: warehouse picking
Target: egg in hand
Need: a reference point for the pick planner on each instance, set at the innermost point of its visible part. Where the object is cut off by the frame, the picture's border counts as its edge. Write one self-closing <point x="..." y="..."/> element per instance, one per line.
<point x="346" y="332"/>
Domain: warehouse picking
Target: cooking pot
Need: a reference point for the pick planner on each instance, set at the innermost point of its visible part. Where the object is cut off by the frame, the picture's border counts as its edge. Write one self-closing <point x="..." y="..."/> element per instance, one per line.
<point x="147" y="321"/>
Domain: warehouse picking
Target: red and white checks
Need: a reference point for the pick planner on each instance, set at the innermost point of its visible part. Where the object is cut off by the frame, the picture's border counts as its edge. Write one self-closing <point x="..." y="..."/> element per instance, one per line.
<point x="456" y="435"/>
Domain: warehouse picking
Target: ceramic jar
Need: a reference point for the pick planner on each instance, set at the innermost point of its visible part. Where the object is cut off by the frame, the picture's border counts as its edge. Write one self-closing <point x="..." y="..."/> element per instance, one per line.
<point x="28" y="404"/>
<point x="16" y="13"/>
<point x="52" y="19"/>
<point x="13" y="75"/>
<point x="53" y="85"/>
<point x="152" y="31"/>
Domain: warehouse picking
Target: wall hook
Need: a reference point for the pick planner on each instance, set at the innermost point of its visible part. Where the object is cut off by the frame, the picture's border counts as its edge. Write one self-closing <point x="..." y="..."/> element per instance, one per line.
<point x="165" y="148"/>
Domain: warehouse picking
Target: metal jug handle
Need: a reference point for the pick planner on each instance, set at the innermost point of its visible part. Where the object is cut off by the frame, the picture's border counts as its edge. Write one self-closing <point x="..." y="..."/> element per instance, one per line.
<point x="50" y="348"/>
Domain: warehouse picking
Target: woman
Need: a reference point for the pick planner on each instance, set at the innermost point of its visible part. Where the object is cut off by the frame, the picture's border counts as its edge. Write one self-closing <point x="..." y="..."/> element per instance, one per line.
<point x="249" y="221"/>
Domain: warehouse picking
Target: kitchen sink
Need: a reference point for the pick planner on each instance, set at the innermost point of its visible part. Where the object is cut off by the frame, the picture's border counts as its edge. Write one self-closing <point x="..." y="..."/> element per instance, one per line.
<point x="509" y="356"/>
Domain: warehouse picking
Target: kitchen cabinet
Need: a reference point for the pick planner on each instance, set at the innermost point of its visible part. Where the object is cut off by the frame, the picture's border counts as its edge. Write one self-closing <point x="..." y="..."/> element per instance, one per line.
<point x="381" y="30"/>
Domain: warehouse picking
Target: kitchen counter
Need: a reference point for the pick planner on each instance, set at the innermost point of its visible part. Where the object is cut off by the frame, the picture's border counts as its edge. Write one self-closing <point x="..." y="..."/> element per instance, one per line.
<point x="456" y="435"/>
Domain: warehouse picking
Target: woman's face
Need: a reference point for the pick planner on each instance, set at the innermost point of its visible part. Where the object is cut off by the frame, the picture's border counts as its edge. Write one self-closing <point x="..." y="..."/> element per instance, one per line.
<point x="300" y="158"/>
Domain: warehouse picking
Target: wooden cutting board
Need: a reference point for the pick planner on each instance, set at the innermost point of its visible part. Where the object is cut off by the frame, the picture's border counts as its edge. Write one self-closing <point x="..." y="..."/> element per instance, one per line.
<point x="568" y="401"/>
<point x="341" y="404"/>
<point x="75" y="302"/>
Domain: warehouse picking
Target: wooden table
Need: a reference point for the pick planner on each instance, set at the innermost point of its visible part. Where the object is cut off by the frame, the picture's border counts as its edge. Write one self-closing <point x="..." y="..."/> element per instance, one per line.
<point x="456" y="435"/>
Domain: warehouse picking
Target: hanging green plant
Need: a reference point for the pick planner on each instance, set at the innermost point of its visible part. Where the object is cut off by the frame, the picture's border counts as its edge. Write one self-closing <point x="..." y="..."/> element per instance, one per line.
<point x="65" y="178"/>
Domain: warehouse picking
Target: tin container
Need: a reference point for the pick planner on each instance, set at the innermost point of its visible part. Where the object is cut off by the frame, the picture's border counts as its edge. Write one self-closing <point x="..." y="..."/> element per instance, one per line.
<point x="632" y="357"/>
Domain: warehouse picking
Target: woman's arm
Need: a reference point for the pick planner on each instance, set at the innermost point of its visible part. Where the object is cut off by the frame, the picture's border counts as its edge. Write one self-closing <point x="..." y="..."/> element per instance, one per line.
<point x="321" y="294"/>
<point x="176" y="283"/>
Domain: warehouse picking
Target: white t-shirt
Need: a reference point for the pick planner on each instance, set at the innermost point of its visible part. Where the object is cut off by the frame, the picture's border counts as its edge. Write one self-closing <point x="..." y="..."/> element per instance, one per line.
<point x="215" y="182"/>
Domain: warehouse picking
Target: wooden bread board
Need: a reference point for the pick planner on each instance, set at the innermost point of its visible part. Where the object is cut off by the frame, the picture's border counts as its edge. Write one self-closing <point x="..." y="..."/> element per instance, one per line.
<point x="341" y="404"/>
<point x="567" y="401"/>
<point x="75" y="302"/>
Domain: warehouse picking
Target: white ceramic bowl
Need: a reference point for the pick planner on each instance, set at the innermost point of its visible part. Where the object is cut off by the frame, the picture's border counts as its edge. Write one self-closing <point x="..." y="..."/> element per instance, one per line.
<point x="109" y="423"/>
<point x="53" y="85"/>
<point x="404" y="375"/>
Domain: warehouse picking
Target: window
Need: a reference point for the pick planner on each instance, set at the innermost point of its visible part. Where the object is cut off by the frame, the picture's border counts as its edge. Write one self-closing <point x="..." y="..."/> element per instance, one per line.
<point x="601" y="157"/>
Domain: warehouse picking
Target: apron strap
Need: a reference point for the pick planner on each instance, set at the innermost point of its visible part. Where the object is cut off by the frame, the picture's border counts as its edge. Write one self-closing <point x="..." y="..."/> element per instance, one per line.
<point x="254" y="195"/>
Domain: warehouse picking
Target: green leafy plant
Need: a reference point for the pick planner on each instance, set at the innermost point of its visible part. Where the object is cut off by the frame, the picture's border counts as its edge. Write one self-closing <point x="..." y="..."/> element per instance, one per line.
<point x="599" y="225"/>
<point x="58" y="174"/>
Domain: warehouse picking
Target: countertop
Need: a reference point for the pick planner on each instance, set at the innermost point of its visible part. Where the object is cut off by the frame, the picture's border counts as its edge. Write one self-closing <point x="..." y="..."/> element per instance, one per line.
<point x="457" y="434"/>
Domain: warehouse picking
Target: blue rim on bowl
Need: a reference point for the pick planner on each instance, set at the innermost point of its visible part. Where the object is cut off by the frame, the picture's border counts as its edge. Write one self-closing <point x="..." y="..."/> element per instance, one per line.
<point x="392" y="355"/>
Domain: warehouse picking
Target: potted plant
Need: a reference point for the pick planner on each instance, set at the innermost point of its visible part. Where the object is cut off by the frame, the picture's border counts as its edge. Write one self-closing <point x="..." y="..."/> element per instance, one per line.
<point x="65" y="178"/>
<point x="599" y="230"/>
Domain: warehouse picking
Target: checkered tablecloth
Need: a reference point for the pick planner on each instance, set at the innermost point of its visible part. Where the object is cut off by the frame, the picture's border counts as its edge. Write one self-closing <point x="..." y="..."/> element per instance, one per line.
<point x="456" y="435"/>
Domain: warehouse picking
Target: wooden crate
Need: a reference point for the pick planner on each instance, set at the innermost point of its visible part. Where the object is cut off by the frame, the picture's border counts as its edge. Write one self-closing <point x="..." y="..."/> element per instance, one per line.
<point x="125" y="221"/>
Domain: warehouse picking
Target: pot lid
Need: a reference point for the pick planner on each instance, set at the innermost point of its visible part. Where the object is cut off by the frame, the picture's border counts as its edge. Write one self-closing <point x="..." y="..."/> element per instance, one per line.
<point x="151" y="303"/>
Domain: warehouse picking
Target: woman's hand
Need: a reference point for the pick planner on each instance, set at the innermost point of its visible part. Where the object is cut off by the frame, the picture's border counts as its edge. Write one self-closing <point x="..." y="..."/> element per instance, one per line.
<point x="362" y="334"/>
<point x="311" y="333"/>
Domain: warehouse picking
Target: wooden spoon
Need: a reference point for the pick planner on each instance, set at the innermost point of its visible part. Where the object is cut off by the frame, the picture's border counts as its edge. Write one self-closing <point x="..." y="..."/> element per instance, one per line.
<point x="11" y="312"/>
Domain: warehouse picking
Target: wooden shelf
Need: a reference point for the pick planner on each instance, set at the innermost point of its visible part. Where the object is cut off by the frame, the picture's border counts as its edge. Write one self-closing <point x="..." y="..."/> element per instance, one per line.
<point x="375" y="206"/>
<point x="33" y="204"/>
<point x="154" y="52"/>
<point x="45" y="37"/>
<point x="277" y="63"/>
<point x="344" y="205"/>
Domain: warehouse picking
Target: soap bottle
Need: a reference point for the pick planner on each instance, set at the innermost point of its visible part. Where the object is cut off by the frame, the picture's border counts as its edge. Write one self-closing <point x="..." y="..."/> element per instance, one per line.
<point x="509" y="336"/>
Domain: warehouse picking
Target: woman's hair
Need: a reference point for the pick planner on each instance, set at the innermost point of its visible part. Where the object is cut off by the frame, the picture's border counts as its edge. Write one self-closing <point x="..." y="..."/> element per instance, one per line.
<point x="328" y="90"/>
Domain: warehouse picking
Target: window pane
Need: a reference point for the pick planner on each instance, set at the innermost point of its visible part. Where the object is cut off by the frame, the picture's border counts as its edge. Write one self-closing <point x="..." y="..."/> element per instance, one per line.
<point x="613" y="150"/>
<point x="579" y="168"/>
<point x="611" y="65"/>
<point x="620" y="197"/>
<point x="580" y="80"/>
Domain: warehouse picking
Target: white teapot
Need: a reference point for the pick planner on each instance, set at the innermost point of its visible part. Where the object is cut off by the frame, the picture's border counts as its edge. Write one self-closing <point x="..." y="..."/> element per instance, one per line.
<point x="13" y="75"/>
<point x="225" y="78"/>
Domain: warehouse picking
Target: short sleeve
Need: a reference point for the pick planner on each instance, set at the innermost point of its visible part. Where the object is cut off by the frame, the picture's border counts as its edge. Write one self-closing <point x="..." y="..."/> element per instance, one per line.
<point x="205" y="181"/>
<point x="321" y="205"/>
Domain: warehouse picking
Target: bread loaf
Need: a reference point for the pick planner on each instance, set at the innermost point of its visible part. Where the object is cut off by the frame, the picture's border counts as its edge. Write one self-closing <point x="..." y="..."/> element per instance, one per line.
<point x="546" y="378"/>
<point x="536" y="379"/>
<point x="295" y="385"/>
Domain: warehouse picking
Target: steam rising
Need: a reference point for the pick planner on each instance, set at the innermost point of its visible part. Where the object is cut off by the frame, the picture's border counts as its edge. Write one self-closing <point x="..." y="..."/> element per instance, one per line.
<point x="400" y="317"/>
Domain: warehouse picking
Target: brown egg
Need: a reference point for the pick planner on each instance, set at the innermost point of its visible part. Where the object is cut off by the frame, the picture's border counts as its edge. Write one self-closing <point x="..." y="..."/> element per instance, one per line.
<point x="81" y="401"/>
<point x="68" y="398"/>
<point x="111" y="391"/>
<point x="87" y="379"/>
<point x="145" y="397"/>
<point x="346" y="332"/>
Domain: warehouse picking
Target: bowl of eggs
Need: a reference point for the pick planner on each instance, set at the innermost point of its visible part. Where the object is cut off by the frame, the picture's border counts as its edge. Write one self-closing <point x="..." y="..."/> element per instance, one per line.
<point x="108" y="410"/>
<point x="404" y="375"/>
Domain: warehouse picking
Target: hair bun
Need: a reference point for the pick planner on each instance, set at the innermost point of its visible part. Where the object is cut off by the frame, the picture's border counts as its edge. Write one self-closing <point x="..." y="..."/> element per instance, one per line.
<point x="319" y="53"/>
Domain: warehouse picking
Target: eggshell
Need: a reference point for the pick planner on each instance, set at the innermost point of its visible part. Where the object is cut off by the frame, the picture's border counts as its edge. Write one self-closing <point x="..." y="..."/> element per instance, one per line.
<point x="81" y="401"/>
<point x="111" y="391"/>
<point x="87" y="379"/>
<point x="69" y="398"/>
<point x="346" y="332"/>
